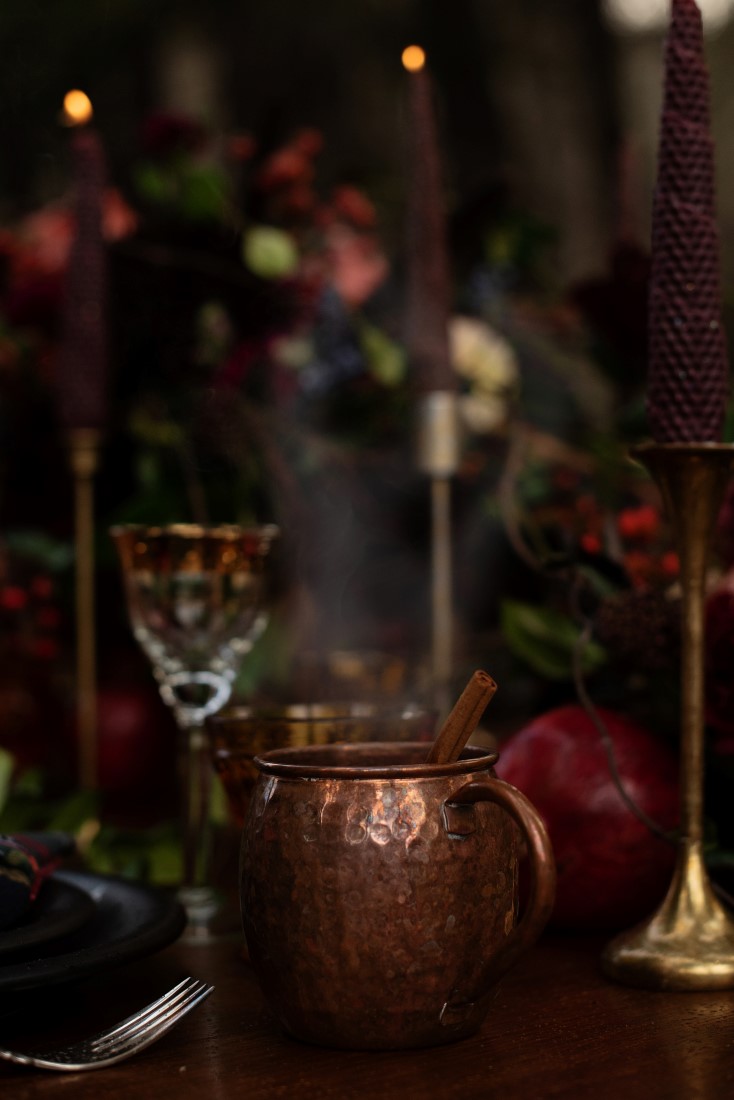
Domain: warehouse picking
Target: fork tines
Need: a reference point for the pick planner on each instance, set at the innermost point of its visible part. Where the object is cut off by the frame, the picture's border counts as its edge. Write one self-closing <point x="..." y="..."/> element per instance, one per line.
<point x="153" y="1020"/>
<point x="120" y="1041"/>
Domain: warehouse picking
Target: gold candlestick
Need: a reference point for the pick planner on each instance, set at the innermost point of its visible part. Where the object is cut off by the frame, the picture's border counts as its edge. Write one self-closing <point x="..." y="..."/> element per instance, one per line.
<point x="438" y="457"/>
<point x="688" y="944"/>
<point x="84" y="445"/>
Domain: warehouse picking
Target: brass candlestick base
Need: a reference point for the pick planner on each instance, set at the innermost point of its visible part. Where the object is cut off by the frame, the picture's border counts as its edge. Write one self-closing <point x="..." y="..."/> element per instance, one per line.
<point x="688" y="944"/>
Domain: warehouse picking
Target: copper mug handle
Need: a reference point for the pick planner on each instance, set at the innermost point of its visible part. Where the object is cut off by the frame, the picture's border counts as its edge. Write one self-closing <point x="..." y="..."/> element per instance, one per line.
<point x="542" y="869"/>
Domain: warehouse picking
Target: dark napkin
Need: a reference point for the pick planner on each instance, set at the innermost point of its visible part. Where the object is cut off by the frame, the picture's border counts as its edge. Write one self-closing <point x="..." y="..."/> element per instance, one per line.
<point x="26" y="859"/>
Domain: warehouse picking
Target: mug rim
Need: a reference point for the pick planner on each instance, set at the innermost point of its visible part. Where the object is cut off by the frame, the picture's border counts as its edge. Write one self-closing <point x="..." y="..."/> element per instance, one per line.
<point x="275" y="762"/>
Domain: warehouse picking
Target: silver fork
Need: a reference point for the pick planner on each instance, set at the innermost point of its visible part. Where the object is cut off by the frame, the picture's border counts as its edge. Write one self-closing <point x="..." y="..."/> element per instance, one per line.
<point x="122" y="1040"/>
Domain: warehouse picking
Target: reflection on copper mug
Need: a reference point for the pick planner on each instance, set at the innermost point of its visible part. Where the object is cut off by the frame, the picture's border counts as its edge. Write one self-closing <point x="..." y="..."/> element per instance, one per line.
<point x="380" y="894"/>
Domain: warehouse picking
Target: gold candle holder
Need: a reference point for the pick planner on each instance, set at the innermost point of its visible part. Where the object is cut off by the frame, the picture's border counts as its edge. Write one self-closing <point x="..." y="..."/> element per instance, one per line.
<point x="688" y="944"/>
<point x="84" y="449"/>
<point x="438" y="457"/>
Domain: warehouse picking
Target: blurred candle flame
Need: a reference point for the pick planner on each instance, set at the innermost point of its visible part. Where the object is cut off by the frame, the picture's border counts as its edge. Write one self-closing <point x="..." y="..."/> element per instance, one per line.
<point x="77" y="108"/>
<point x="413" y="58"/>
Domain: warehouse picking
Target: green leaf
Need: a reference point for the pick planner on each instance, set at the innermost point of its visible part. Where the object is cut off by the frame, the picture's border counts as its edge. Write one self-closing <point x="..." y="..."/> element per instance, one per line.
<point x="270" y="658"/>
<point x="218" y="804"/>
<point x="545" y="640"/>
<point x="49" y="553"/>
<point x="74" y="811"/>
<point x="154" y="184"/>
<point x="202" y="194"/>
<point x="269" y="252"/>
<point x="599" y="584"/>
<point x="29" y="784"/>
<point x="149" y="855"/>
<point x="156" y="432"/>
<point x="386" y="360"/>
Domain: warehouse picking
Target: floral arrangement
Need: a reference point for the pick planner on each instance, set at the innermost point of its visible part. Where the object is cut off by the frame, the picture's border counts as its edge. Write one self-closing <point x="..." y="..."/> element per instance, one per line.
<point x="260" y="368"/>
<point x="257" y="350"/>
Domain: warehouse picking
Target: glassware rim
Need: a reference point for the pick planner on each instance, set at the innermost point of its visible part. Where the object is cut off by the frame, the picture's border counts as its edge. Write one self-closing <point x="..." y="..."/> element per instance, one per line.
<point x="326" y="711"/>
<point x="226" y="531"/>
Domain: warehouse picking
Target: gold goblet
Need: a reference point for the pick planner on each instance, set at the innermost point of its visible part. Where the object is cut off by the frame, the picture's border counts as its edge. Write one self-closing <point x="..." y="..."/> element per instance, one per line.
<point x="197" y="601"/>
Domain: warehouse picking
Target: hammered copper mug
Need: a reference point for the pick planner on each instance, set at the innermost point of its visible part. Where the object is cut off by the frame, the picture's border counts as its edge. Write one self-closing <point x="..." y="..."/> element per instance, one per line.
<point x="380" y="893"/>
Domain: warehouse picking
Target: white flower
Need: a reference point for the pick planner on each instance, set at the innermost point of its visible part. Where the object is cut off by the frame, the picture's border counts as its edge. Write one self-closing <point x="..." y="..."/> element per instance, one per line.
<point x="481" y="413"/>
<point x="481" y="356"/>
<point x="489" y="365"/>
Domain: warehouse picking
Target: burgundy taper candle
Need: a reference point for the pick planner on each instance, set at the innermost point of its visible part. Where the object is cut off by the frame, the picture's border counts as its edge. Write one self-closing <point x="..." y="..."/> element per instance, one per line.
<point x="82" y="369"/>
<point x="688" y="369"/>
<point x="428" y="280"/>
<point x="81" y="389"/>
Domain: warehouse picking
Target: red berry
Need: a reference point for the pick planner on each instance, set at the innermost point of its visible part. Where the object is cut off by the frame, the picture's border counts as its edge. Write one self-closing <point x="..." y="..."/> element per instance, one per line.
<point x="13" y="598"/>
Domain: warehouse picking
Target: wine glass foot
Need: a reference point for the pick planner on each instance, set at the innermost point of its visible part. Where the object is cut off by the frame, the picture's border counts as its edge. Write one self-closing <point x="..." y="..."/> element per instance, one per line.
<point x="201" y="904"/>
<point x="209" y="915"/>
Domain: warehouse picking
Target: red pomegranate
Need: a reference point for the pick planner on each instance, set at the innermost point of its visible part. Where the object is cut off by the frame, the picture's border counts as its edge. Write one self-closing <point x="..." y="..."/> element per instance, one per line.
<point x="612" y="869"/>
<point x="136" y="741"/>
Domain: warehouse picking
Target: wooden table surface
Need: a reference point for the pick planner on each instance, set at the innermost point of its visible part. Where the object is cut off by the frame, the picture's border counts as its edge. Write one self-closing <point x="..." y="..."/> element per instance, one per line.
<point x="556" y="1028"/>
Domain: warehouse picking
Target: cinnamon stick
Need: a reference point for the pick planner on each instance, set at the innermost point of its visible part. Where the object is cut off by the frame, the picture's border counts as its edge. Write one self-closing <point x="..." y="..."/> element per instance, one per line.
<point x="463" y="719"/>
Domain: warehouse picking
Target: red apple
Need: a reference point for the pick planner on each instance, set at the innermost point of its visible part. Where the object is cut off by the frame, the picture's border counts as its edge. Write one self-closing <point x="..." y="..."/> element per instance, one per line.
<point x="612" y="869"/>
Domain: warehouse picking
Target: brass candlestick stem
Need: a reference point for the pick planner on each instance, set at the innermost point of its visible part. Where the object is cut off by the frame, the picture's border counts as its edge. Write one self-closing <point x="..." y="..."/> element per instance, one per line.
<point x="688" y="944"/>
<point x="84" y="446"/>
<point x="438" y="457"/>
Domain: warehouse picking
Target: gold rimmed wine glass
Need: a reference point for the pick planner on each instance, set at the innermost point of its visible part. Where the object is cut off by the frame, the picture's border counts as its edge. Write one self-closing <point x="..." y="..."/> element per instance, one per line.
<point x="197" y="599"/>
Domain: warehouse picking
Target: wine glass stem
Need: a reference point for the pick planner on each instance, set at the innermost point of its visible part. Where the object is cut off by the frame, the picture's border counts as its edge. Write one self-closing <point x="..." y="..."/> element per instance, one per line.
<point x="195" y="791"/>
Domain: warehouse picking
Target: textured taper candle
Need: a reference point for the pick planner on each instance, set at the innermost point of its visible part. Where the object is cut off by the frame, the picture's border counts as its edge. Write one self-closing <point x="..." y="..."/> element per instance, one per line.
<point x="81" y="377"/>
<point x="688" y="370"/>
<point x="428" y="282"/>
<point x="81" y="389"/>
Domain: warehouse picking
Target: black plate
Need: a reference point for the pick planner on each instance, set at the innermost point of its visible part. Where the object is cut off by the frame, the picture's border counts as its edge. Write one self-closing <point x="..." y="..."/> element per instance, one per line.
<point x="130" y="921"/>
<point x="59" y="909"/>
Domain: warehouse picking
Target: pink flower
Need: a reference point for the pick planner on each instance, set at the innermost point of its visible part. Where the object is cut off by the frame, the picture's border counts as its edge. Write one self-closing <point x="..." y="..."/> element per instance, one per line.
<point x="119" y="220"/>
<point x="45" y="239"/>
<point x="356" y="264"/>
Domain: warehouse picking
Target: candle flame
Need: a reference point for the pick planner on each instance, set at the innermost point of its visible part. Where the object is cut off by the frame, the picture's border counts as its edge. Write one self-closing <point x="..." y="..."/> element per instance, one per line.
<point x="77" y="108"/>
<point x="414" y="58"/>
